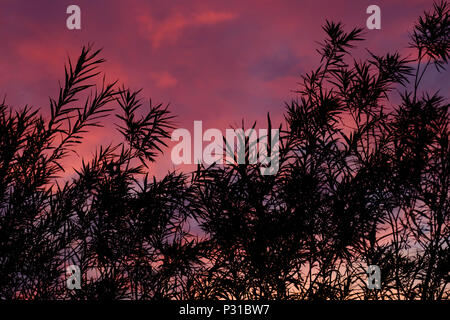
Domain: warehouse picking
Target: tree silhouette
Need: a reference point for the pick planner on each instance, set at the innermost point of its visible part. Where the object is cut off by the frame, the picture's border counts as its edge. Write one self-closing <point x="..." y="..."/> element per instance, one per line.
<point x="362" y="180"/>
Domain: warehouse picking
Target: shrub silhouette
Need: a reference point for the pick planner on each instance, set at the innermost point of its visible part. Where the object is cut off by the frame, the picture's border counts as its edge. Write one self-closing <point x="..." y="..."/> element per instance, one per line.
<point x="361" y="181"/>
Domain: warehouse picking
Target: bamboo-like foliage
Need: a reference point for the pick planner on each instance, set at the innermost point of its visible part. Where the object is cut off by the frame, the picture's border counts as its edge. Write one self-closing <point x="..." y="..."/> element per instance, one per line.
<point x="362" y="180"/>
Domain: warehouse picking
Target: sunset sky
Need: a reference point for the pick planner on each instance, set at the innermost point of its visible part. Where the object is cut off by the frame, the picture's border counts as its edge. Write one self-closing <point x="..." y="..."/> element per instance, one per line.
<point x="216" y="61"/>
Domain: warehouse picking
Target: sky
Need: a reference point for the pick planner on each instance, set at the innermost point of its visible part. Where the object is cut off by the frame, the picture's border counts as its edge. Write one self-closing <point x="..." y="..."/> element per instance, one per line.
<point x="216" y="61"/>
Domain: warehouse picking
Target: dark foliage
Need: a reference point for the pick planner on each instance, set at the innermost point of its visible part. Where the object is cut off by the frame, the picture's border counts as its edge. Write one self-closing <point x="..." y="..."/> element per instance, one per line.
<point x="361" y="181"/>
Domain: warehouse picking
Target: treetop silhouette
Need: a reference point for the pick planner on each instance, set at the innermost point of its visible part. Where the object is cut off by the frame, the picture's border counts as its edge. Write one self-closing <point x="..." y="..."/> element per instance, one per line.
<point x="361" y="181"/>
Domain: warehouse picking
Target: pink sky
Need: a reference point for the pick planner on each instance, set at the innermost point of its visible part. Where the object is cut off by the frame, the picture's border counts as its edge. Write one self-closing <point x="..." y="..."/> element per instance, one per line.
<point x="216" y="61"/>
